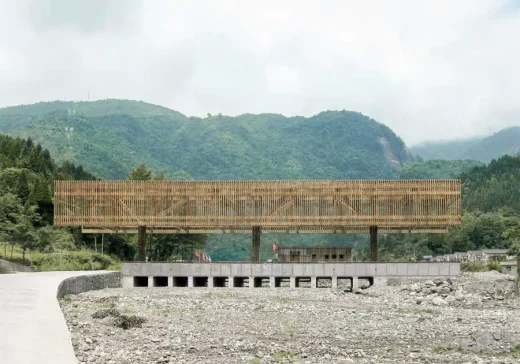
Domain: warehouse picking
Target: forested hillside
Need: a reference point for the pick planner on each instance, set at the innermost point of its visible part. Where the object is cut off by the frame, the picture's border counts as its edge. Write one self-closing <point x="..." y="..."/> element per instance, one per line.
<point x="437" y="169"/>
<point x="109" y="137"/>
<point x="504" y="142"/>
<point x="491" y="219"/>
<point x="26" y="174"/>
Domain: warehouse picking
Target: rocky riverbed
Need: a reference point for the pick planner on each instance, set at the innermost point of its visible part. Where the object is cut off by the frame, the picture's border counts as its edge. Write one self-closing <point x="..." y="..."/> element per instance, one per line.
<point x="474" y="319"/>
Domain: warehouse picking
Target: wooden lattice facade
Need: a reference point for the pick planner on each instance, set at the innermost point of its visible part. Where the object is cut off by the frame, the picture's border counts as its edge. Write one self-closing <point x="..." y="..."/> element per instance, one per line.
<point x="394" y="206"/>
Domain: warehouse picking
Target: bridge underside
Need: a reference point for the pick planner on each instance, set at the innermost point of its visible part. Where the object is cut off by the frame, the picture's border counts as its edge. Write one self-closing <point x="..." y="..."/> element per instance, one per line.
<point x="265" y="230"/>
<point x="252" y="207"/>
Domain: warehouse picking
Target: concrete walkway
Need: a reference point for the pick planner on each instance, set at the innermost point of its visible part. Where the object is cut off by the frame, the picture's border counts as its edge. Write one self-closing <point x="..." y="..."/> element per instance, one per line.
<point x="32" y="327"/>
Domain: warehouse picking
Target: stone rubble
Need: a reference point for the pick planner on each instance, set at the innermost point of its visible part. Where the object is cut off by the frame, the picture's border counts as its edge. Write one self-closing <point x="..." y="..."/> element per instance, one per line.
<point x="474" y="319"/>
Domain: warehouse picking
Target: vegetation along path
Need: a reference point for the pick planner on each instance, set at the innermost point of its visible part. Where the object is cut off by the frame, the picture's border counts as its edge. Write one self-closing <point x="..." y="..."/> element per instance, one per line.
<point x="32" y="327"/>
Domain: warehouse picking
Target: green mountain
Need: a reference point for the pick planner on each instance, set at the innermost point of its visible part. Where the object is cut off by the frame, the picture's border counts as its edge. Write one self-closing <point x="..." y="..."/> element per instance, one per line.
<point x="506" y="141"/>
<point x="109" y="137"/>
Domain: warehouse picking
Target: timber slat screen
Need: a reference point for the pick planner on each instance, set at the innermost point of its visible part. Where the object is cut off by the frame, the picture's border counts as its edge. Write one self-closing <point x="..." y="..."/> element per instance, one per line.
<point x="394" y="206"/>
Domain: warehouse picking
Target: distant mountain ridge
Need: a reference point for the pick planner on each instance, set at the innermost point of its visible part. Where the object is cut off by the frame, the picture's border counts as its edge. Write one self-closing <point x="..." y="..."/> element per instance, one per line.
<point x="110" y="136"/>
<point x="505" y="141"/>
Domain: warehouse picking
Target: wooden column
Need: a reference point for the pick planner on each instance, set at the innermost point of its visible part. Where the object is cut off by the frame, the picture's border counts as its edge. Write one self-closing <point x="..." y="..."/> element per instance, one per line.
<point x="256" y="244"/>
<point x="141" y="243"/>
<point x="373" y="243"/>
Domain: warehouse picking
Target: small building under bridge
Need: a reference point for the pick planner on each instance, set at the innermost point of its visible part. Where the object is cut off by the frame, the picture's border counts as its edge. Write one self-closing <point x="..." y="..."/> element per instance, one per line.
<point x="308" y="254"/>
<point x="256" y="207"/>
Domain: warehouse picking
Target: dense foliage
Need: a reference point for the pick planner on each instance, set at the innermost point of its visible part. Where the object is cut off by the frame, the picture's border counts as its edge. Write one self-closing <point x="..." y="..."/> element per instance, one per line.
<point x="109" y="137"/>
<point x="437" y="169"/>
<point x="26" y="207"/>
<point x="504" y="142"/>
<point x="491" y="219"/>
<point x="494" y="186"/>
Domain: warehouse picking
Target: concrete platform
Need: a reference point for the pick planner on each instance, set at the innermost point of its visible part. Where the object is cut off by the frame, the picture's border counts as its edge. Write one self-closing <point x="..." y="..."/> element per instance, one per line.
<point x="242" y="274"/>
<point x="32" y="327"/>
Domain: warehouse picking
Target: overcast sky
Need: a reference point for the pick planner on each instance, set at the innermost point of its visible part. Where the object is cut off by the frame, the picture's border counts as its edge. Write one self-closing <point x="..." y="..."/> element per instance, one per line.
<point x="436" y="69"/>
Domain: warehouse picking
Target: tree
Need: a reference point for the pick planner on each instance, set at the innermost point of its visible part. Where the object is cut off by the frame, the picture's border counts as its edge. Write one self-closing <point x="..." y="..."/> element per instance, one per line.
<point x="140" y="173"/>
<point x="515" y="250"/>
<point x="23" y="234"/>
<point x="165" y="247"/>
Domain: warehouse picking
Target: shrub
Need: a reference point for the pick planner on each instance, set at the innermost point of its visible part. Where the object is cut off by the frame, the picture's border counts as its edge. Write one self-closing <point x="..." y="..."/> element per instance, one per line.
<point x="71" y="261"/>
<point x="494" y="265"/>
<point x="473" y="267"/>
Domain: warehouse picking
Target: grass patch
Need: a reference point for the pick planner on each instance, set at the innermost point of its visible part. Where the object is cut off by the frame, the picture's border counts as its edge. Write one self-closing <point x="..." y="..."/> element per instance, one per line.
<point x="285" y="299"/>
<point x="430" y="311"/>
<point x="515" y="352"/>
<point x="67" y="299"/>
<point x="64" y="260"/>
<point x="473" y="267"/>
<point x="254" y="361"/>
<point x="217" y="295"/>
<point x="443" y="348"/>
<point x="282" y="355"/>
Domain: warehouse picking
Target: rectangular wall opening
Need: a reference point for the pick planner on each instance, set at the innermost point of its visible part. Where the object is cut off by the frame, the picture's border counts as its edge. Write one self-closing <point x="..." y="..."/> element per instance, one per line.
<point x="365" y="282"/>
<point x="282" y="282"/>
<point x="345" y="283"/>
<point x="240" y="282"/>
<point x="262" y="282"/>
<point x="220" y="282"/>
<point x="324" y="282"/>
<point x="140" y="281"/>
<point x="160" y="281"/>
<point x="303" y="282"/>
<point x="180" y="281"/>
<point x="200" y="281"/>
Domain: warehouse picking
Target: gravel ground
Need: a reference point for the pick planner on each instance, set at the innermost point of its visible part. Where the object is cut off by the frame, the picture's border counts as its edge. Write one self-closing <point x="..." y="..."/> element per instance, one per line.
<point x="475" y="319"/>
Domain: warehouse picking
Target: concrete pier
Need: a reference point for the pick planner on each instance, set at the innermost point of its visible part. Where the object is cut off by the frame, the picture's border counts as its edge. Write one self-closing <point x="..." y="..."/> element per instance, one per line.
<point x="245" y="274"/>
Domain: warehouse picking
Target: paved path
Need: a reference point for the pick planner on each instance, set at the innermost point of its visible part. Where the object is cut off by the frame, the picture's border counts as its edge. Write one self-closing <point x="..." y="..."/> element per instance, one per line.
<point x="32" y="327"/>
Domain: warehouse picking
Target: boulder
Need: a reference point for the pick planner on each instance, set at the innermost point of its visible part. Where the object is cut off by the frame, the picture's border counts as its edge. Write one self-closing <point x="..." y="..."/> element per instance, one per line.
<point x="438" y="301"/>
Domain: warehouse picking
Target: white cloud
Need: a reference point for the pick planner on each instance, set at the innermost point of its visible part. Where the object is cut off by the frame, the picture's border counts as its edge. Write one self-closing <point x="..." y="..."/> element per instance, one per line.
<point x="428" y="69"/>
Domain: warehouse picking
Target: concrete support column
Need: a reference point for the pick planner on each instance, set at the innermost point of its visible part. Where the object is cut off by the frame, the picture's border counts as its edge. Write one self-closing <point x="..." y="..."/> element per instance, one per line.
<point x="272" y="282"/>
<point x="127" y="281"/>
<point x="292" y="282"/>
<point x="334" y="282"/>
<point x="231" y="282"/>
<point x="170" y="281"/>
<point x="251" y="282"/>
<point x="210" y="282"/>
<point x="255" y="249"/>
<point x="313" y="282"/>
<point x="373" y="243"/>
<point x="150" y="281"/>
<point x="190" y="281"/>
<point x="141" y="243"/>
<point x="355" y="283"/>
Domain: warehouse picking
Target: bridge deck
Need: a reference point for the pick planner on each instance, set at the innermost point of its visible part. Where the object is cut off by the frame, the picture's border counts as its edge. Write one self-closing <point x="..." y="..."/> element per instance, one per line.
<point x="277" y="206"/>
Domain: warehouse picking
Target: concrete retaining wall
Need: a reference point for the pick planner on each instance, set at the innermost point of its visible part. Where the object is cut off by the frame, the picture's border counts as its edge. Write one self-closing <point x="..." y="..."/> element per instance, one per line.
<point x="15" y="267"/>
<point x="75" y="285"/>
<point x="164" y="274"/>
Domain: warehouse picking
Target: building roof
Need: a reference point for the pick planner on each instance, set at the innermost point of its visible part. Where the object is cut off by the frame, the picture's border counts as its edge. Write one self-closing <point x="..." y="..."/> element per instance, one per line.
<point x="508" y="263"/>
<point x="495" y="251"/>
